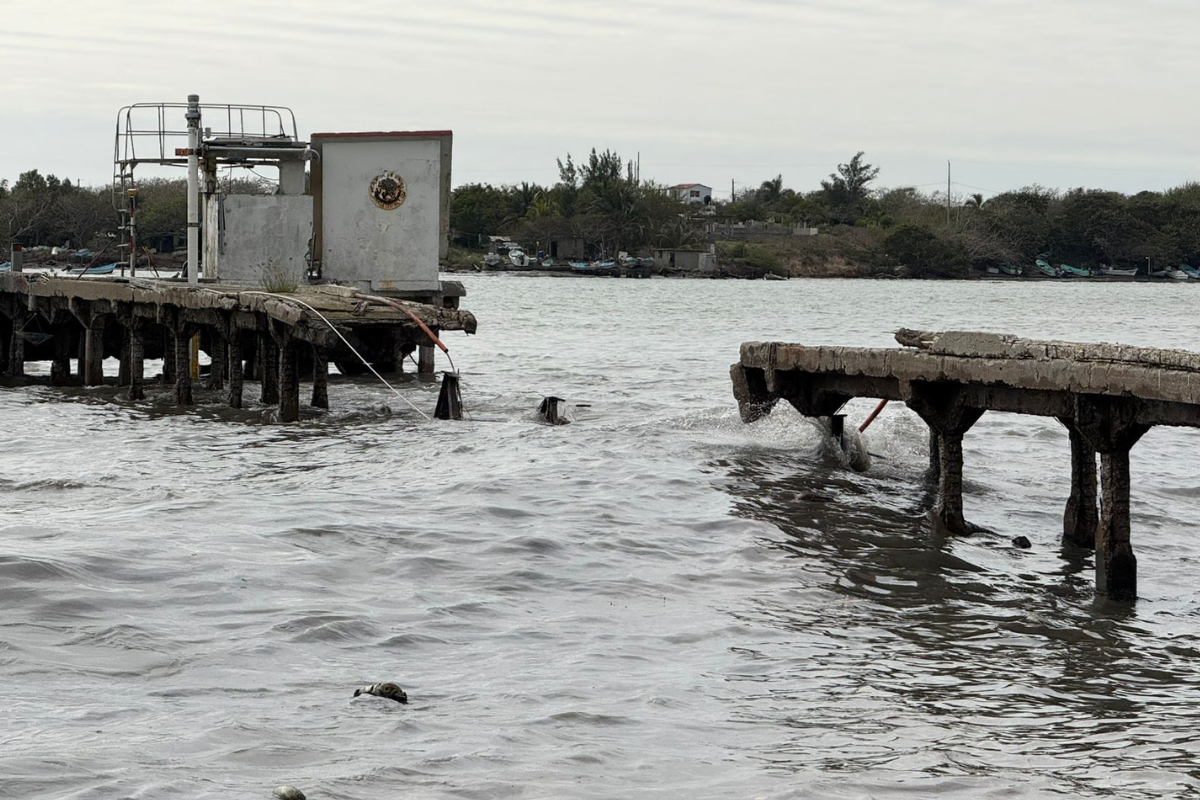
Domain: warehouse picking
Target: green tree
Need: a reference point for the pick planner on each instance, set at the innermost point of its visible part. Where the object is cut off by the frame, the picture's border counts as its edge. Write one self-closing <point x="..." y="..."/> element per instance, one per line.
<point x="846" y="191"/>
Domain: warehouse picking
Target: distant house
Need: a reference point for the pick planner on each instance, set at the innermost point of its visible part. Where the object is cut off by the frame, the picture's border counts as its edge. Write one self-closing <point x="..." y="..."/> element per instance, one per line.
<point x="696" y="193"/>
<point x="671" y="259"/>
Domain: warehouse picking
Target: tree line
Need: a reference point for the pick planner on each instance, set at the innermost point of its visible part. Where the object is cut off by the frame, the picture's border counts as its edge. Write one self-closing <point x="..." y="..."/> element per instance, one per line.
<point x="601" y="201"/>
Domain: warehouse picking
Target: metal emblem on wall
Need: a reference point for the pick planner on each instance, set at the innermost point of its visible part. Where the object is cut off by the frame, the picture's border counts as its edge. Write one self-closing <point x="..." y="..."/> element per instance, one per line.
<point x="388" y="191"/>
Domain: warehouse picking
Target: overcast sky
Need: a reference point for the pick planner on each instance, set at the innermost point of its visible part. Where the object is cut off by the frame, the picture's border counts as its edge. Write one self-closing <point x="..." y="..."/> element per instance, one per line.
<point x="1056" y="92"/>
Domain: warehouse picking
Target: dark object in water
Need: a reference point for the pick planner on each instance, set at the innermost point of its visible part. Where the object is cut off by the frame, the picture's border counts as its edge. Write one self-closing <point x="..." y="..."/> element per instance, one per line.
<point x="287" y="792"/>
<point x="449" y="404"/>
<point x="1022" y="542"/>
<point x="548" y="411"/>
<point x="388" y="691"/>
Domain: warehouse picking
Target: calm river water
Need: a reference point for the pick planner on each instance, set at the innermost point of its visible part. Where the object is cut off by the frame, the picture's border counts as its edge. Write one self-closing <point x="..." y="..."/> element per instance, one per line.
<point x="654" y="601"/>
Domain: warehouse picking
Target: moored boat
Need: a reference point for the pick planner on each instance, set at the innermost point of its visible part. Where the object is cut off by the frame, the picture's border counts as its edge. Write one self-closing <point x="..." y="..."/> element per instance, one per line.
<point x="1010" y="269"/>
<point x="1046" y="270"/>
<point x="104" y="269"/>
<point x="1119" y="272"/>
<point x="1078" y="272"/>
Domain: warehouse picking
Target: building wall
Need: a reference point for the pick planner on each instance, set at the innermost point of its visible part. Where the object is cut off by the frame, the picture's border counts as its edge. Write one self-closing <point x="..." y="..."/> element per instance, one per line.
<point x="365" y="244"/>
<point x="251" y="237"/>
<point x="686" y="194"/>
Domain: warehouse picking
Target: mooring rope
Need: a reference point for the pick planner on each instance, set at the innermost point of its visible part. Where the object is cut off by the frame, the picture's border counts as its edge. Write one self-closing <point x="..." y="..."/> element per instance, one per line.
<point x="343" y="338"/>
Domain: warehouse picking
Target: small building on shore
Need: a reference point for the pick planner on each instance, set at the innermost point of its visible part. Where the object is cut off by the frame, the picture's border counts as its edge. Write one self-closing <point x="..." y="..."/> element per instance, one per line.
<point x="685" y="260"/>
<point x="694" y="193"/>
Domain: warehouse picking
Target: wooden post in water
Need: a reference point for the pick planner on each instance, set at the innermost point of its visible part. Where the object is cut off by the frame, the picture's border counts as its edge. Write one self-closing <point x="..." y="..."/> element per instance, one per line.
<point x="320" y="383"/>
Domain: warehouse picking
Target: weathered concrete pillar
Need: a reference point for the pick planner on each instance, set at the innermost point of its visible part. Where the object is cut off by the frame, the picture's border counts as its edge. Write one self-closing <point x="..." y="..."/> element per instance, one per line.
<point x="16" y="344"/>
<point x="1116" y="565"/>
<point x="320" y="383"/>
<point x="236" y="375"/>
<point x="289" y="383"/>
<point x="183" y="375"/>
<point x="268" y="358"/>
<point x="60" y="367"/>
<point x="6" y="336"/>
<point x="935" y="456"/>
<point x="425" y="361"/>
<point x="943" y="410"/>
<point x="93" y="351"/>
<point x="168" y="368"/>
<point x="750" y="392"/>
<point x="1109" y="424"/>
<point x="1080" y="518"/>
<point x="137" y="360"/>
<point x="123" y="368"/>
<point x="216" y="370"/>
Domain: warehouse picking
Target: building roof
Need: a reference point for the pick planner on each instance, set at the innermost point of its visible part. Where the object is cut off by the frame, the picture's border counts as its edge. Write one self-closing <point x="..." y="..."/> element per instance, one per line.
<point x="689" y="186"/>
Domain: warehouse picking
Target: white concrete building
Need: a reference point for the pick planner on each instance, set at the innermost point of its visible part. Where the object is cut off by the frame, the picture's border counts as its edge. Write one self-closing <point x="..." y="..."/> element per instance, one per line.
<point x="696" y="193"/>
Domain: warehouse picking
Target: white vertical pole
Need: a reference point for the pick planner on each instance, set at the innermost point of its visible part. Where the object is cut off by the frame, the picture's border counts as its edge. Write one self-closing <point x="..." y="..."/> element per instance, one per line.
<point x="947" y="193"/>
<point x="193" y="220"/>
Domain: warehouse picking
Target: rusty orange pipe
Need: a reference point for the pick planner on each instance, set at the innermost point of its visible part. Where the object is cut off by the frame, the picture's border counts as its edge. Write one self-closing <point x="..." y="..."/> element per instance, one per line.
<point x="411" y="315"/>
<point x="872" y="416"/>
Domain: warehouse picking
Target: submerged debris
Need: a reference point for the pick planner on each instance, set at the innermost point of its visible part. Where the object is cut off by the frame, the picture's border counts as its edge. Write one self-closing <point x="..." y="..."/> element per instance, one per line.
<point x="389" y="691"/>
<point x="1022" y="542"/>
<point x="287" y="792"/>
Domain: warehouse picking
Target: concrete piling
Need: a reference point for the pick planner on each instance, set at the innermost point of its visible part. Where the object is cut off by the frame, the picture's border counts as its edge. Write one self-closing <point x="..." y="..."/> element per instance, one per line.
<point x="60" y="367"/>
<point x="268" y="361"/>
<point x="1080" y="517"/>
<point x="183" y="375"/>
<point x="137" y="360"/>
<point x="16" y="348"/>
<point x="425" y="361"/>
<point x="320" y="382"/>
<point x="236" y="371"/>
<point x="93" y="351"/>
<point x="945" y="411"/>
<point x="216" y="371"/>
<point x="289" y="382"/>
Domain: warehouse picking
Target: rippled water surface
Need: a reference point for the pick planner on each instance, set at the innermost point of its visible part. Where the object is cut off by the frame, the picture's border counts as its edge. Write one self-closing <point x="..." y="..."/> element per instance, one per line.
<point x="655" y="600"/>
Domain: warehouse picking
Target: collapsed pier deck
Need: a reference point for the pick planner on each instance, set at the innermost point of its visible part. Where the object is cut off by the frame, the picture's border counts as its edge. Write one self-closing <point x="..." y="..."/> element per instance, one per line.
<point x="244" y="331"/>
<point x="1107" y="396"/>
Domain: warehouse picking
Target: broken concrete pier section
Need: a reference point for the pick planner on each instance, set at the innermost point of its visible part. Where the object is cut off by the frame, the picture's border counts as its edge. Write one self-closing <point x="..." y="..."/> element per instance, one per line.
<point x="1106" y="395"/>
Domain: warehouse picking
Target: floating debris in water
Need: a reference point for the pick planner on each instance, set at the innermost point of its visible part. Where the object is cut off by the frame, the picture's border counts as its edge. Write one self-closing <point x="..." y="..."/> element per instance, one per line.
<point x="1022" y="542"/>
<point x="389" y="691"/>
<point x="287" y="792"/>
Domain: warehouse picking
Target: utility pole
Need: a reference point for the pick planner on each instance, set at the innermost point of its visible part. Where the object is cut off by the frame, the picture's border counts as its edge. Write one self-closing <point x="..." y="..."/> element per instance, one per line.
<point x="947" y="194"/>
<point x="732" y="192"/>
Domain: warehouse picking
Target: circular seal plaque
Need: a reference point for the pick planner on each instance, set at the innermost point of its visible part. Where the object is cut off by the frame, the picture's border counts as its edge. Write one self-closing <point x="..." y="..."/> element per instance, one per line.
<point x="387" y="190"/>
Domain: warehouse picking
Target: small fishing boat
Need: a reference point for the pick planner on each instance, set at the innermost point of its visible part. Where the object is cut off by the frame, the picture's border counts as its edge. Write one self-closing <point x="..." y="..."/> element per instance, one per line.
<point x="1191" y="271"/>
<point x="1011" y="269"/>
<point x="105" y="269"/>
<point x="5" y="266"/>
<point x="519" y="259"/>
<point x="1079" y="272"/>
<point x="1170" y="273"/>
<point x="1047" y="270"/>
<point x="1119" y="272"/>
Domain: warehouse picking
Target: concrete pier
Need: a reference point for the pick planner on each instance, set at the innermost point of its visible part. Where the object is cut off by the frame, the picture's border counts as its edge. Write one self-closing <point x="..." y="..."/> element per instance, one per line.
<point x="134" y="319"/>
<point x="1106" y="395"/>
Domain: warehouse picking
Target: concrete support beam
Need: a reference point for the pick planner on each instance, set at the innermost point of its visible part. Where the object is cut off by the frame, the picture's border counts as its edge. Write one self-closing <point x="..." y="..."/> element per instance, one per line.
<point x="268" y="361"/>
<point x="168" y="368"/>
<point x="1081" y="517"/>
<point x="216" y="372"/>
<point x="320" y="383"/>
<point x="942" y="408"/>
<point x="289" y="382"/>
<point x="137" y="360"/>
<point x="236" y="372"/>
<point x="425" y="362"/>
<point x="935" y="457"/>
<point x="183" y="374"/>
<point x="123" y="369"/>
<point x="93" y="352"/>
<point x="16" y="344"/>
<point x="1109" y="424"/>
<point x="60" y="367"/>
